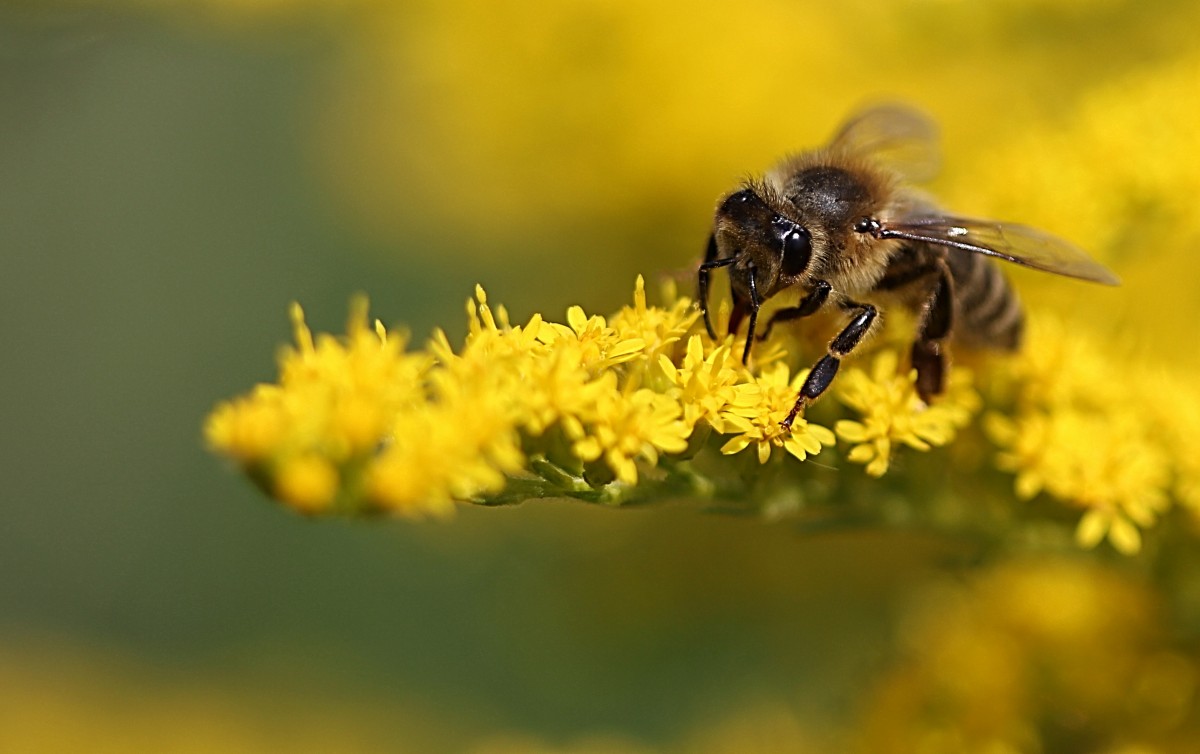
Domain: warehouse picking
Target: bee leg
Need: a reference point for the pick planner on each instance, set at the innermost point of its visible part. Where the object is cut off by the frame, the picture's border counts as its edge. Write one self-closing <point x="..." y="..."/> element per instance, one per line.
<point x="823" y="371"/>
<point x="755" y="303"/>
<point x="937" y="317"/>
<point x="710" y="263"/>
<point x="740" y="308"/>
<point x="808" y="306"/>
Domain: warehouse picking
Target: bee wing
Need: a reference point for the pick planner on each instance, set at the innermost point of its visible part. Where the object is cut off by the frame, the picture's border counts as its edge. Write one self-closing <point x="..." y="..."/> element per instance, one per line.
<point x="898" y="136"/>
<point x="1015" y="243"/>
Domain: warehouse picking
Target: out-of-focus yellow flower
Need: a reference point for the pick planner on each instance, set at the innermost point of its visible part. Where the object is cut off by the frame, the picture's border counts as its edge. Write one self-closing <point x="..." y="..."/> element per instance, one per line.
<point x="334" y="401"/>
<point x="1029" y="654"/>
<point x="308" y="483"/>
<point x="1114" y="167"/>
<point x="1093" y="432"/>
<point x="1057" y="368"/>
<point x="892" y="413"/>
<point x="536" y="115"/>
<point x="1179" y="419"/>
<point x="442" y="453"/>
<point x="1106" y="463"/>
<point x="1113" y="173"/>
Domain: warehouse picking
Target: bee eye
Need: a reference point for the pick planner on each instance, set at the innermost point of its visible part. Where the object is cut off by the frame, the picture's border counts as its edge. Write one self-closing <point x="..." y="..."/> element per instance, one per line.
<point x="797" y="248"/>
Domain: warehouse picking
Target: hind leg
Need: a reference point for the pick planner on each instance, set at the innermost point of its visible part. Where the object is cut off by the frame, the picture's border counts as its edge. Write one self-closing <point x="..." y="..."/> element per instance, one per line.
<point x="929" y="356"/>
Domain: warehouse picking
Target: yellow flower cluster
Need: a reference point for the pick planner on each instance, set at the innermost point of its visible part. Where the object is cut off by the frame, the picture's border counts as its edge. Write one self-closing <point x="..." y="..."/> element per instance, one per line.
<point x="1111" y="429"/>
<point x="1031" y="656"/>
<point x="1099" y="432"/>
<point x="588" y="408"/>
<point x="362" y="422"/>
<point x="757" y="411"/>
<point x="892" y="413"/>
<point x="1115" y="167"/>
<point x="714" y="387"/>
<point x="335" y="401"/>
<point x="606" y="408"/>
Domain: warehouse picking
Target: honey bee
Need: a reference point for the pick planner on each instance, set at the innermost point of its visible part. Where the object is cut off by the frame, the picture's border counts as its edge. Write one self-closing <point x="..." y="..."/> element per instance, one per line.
<point x="842" y="225"/>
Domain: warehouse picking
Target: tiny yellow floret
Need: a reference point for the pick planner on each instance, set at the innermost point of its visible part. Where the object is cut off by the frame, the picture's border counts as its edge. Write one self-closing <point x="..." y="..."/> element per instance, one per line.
<point x="891" y="413"/>
<point x="757" y="411"/>
<point x="307" y="483"/>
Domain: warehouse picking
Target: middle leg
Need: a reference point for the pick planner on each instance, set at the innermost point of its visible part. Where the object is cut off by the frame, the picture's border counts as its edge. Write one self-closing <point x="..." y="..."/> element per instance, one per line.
<point x="808" y="306"/>
<point x="823" y="371"/>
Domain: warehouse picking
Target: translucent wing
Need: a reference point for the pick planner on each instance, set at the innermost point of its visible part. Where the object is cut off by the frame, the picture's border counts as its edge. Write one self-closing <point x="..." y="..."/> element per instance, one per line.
<point x="1008" y="241"/>
<point x="900" y="137"/>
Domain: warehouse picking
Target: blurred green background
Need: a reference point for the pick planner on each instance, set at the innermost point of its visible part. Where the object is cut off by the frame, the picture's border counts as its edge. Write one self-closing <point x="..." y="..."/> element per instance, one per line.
<point x="173" y="174"/>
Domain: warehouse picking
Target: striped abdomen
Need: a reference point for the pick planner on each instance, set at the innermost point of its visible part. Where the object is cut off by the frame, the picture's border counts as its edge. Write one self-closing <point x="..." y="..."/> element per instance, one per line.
<point x="987" y="312"/>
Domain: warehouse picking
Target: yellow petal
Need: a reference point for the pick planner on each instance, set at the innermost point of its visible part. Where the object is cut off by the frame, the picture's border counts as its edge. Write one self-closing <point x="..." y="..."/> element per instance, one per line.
<point x="735" y="445"/>
<point x="861" y="453"/>
<point x="1092" y="528"/>
<point x="851" y="431"/>
<point x="1125" y="536"/>
<point x="577" y="319"/>
<point x="878" y="467"/>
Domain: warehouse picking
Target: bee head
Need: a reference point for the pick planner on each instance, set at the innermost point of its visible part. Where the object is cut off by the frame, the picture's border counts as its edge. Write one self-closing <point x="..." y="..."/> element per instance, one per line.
<point x="773" y="249"/>
<point x="831" y="199"/>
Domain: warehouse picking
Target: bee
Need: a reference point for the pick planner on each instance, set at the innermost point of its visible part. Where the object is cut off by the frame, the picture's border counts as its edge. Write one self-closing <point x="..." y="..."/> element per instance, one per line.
<point x="843" y="226"/>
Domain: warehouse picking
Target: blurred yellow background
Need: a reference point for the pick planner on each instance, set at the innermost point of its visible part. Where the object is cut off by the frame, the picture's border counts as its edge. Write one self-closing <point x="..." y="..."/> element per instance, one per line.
<point x="172" y="174"/>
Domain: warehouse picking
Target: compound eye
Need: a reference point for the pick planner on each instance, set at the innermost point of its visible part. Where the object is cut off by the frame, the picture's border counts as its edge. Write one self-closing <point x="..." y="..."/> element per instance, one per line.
<point x="797" y="249"/>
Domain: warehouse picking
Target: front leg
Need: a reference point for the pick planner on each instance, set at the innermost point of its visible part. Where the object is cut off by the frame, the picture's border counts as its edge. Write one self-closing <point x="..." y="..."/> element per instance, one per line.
<point x="710" y="263"/>
<point x="823" y="371"/>
<point x="755" y="305"/>
<point x="808" y="306"/>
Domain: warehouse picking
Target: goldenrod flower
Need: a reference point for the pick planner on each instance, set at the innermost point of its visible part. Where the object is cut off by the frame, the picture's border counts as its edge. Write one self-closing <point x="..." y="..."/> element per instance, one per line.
<point x="891" y="413"/>
<point x="444" y="452"/>
<point x="1173" y="403"/>
<point x="1093" y="432"/>
<point x="595" y="344"/>
<point x="334" y="402"/>
<point x="626" y="425"/>
<point x="657" y="328"/>
<point x="705" y="384"/>
<point x="1025" y="655"/>
<point x="306" y="482"/>
<point x="1105" y="463"/>
<point x="757" y="411"/>
<point x="610" y="409"/>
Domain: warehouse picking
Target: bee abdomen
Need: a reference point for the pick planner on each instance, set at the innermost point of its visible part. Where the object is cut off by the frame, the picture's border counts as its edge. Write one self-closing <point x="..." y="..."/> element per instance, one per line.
<point x="989" y="313"/>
